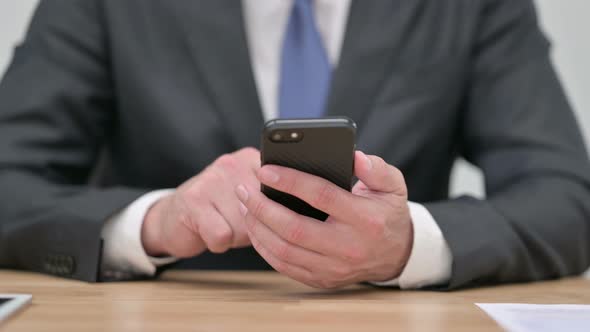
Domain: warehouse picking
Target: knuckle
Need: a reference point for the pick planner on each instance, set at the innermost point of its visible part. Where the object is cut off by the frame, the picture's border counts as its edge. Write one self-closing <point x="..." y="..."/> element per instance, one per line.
<point x="311" y="283"/>
<point x="248" y="152"/>
<point x="251" y="222"/>
<point x="222" y="239"/>
<point x="226" y="161"/>
<point x="188" y="222"/>
<point x="380" y="162"/>
<point x="289" y="184"/>
<point x="326" y="195"/>
<point x="186" y="251"/>
<point x="259" y="210"/>
<point x="296" y="233"/>
<point x="225" y="235"/>
<point x="399" y="178"/>
<point x="180" y="253"/>
<point x="213" y="176"/>
<point x="397" y="173"/>
<point x="326" y="284"/>
<point x="242" y="239"/>
<point x="281" y="267"/>
<point x="355" y="255"/>
<point x="192" y="193"/>
<point x="341" y="271"/>
<point x="283" y="252"/>
<point x="375" y="224"/>
<point x="218" y="249"/>
<point x="257" y="246"/>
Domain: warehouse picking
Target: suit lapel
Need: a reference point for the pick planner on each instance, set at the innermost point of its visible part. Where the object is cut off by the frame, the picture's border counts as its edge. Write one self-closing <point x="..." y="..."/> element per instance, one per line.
<point x="218" y="42"/>
<point x="366" y="56"/>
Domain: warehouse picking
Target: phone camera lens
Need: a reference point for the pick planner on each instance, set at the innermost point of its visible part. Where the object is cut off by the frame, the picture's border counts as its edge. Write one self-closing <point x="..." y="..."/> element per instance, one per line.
<point x="286" y="136"/>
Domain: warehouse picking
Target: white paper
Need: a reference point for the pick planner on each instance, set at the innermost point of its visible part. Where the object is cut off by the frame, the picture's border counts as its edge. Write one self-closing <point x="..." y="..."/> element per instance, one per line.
<point x="516" y="317"/>
<point x="13" y="303"/>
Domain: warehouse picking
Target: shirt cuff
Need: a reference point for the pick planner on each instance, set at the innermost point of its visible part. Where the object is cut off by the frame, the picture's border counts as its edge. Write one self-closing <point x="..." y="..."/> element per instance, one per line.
<point x="123" y="255"/>
<point x="431" y="260"/>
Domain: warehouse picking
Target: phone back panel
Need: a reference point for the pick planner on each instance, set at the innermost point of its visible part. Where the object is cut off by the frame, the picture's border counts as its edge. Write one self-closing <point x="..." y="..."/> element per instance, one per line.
<point x="326" y="150"/>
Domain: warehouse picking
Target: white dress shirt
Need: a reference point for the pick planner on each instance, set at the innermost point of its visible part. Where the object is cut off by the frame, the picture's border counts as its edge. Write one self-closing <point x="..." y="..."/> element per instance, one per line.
<point x="265" y="23"/>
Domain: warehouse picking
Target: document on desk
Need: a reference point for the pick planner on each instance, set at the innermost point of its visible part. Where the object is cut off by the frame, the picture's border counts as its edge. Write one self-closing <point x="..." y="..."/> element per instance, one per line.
<point x="516" y="317"/>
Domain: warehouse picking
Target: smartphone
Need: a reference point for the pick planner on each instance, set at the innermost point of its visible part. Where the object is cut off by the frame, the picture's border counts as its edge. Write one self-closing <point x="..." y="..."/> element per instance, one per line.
<point x="323" y="147"/>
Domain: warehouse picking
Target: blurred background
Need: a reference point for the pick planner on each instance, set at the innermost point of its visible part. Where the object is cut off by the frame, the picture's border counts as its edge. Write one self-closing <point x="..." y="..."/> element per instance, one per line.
<point x="565" y="22"/>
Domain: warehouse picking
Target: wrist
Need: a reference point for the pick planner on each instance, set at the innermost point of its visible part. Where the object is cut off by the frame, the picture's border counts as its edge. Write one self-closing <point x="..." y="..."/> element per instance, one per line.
<point x="404" y="252"/>
<point x="151" y="229"/>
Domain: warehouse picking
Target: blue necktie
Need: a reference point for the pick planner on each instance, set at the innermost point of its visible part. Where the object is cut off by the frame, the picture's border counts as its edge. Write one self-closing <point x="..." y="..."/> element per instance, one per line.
<point x="305" y="69"/>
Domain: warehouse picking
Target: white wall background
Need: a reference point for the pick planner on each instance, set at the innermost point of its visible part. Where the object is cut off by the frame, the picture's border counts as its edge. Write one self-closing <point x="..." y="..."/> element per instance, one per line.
<point x="14" y="17"/>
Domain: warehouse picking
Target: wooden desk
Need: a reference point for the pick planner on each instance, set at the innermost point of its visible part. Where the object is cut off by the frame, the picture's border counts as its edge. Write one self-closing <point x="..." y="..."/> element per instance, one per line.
<point x="260" y="301"/>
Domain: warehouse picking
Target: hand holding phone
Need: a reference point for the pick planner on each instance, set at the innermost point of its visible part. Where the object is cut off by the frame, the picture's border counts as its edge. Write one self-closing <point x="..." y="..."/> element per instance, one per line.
<point x="323" y="147"/>
<point x="307" y="168"/>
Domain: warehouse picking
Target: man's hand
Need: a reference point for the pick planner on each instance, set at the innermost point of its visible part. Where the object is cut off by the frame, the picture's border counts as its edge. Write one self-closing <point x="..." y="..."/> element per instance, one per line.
<point x="368" y="236"/>
<point x="203" y="213"/>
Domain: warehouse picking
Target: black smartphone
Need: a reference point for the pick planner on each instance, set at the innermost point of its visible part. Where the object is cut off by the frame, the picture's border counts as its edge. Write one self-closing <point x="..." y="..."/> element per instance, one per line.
<point x="323" y="147"/>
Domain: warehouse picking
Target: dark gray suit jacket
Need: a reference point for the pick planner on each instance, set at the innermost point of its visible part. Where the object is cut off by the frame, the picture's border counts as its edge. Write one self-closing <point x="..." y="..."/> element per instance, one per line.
<point x="165" y="87"/>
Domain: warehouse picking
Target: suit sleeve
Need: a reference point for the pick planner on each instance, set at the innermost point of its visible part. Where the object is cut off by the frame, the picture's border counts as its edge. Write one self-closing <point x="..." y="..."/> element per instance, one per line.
<point x="56" y="112"/>
<point x="518" y="128"/>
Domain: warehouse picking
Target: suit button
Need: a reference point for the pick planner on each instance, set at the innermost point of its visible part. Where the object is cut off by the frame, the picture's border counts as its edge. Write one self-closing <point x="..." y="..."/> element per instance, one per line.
<point x="59" y="264"/>
<point x="70" y="265"/>
<point x="49" y="263"/>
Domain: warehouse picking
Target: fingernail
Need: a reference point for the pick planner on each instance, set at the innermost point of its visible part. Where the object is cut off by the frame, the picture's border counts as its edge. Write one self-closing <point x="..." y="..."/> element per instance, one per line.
<point x="243" y="209"/>
<point x="242" y="193"/>
<point x="268" y="176"/>
<point x="368" y="160"/>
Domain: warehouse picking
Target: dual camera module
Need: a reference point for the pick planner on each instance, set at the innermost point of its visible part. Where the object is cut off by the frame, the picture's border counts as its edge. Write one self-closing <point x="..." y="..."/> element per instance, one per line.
<point x="286" y="136"/>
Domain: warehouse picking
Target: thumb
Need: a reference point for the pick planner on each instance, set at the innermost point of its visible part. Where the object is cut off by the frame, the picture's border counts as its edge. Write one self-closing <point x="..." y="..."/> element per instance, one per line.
<point x="377" y="175"/>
